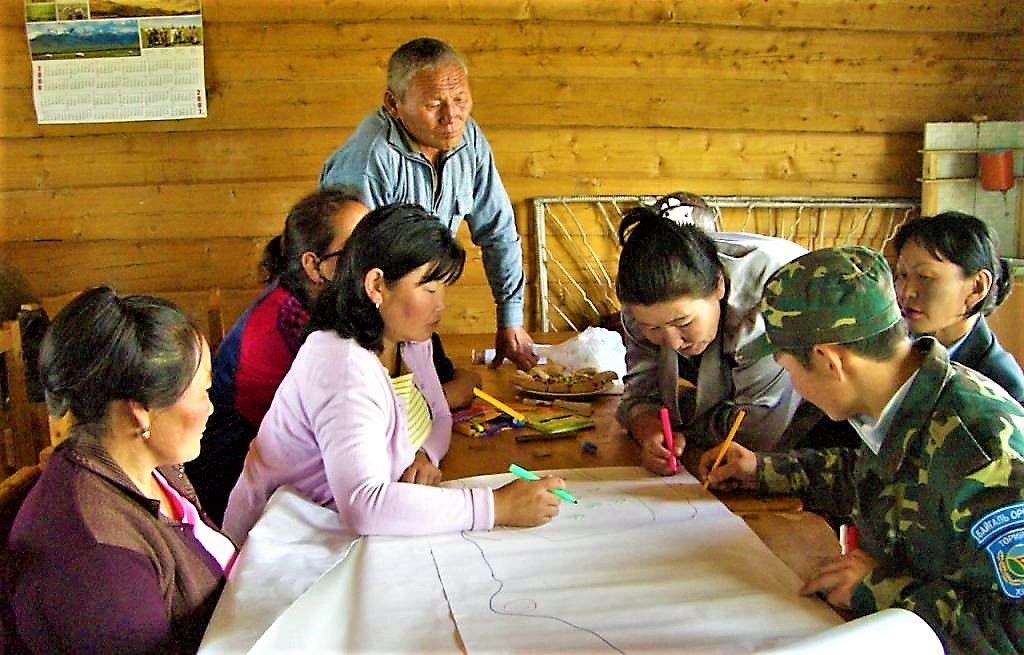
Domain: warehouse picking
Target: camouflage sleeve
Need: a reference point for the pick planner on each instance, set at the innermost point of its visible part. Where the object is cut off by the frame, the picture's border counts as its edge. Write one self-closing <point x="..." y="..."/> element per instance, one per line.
<point x="977" y="603"/>
<point x="822" y="478"/>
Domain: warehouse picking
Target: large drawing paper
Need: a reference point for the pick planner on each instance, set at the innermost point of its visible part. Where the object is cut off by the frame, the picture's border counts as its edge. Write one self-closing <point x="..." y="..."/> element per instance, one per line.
<point x="889" y="631"/>
<point x="641" y="564"/>
<point x="289" y="548"/>
<point x="385" y="597"/>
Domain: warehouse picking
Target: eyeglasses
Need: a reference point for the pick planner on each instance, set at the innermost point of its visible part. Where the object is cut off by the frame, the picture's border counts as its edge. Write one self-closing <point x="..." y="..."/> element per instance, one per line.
<point x="320" y="260"/>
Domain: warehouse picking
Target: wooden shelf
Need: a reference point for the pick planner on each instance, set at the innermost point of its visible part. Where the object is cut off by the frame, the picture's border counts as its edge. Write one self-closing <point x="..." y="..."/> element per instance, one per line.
<point x="968" y="151"/>
<point x="932" y="180"/>
<point x="954" y="165"/>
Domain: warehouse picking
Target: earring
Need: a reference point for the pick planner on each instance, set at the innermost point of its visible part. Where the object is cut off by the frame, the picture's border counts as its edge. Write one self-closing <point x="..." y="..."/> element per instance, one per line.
<point x="144" y="433"/>
<point x="377" y="305"/>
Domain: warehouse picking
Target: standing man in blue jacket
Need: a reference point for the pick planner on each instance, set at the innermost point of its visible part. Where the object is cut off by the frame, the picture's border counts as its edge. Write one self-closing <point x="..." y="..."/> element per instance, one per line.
<point x="423" y="147"/>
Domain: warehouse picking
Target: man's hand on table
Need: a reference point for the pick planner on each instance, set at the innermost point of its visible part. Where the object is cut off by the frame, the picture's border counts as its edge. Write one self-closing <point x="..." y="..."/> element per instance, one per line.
<point x="654" y="456"/>
<point x="422" y="471"/>
<point x="514" y="344"/>
<point x="836" y="580"/>
<point x="737" y="470"/>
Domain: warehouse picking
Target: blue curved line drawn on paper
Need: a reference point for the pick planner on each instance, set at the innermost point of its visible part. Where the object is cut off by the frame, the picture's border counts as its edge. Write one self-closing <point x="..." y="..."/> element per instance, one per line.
<point x="681" y="490"/>
<point x="631" y="511"/>
<point x="501" y="585"/>
<point x="587" y="503"/>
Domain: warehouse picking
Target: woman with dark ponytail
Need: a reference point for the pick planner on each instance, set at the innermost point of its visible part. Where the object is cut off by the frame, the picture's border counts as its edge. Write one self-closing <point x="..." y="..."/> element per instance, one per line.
<point x="258" y="350"/>
<point x="948" y="278"/>
<point x="112" y="550"/>
<point x="690" y="314"/>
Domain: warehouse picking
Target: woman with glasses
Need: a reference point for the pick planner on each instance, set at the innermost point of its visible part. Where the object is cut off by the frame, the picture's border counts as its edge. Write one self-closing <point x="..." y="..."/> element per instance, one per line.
<point x="691" y="322"/>
<point x="948" y="279"/>
<point x="258" y="350"/>
<point x="360" y="423"/>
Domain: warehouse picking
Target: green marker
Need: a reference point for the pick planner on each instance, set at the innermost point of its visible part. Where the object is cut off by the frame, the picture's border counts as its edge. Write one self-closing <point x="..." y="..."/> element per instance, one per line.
<point x="530" y="475"/>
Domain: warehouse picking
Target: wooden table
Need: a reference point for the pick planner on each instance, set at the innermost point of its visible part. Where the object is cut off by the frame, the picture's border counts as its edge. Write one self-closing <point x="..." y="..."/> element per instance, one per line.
<point x="800" y="539"/>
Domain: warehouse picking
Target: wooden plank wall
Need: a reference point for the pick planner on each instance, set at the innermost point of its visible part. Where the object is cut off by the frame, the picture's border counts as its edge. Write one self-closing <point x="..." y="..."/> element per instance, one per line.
<point x="814" y="97"/>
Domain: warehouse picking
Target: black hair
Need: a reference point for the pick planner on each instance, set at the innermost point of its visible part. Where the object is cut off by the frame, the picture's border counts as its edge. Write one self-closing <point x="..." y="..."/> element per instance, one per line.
<point x="964" y="240"/>
<point x="878" y="347"/>
<point x="309" y="227"/>
<point x="661" y="260"/>
<point x="103" y="347"/>
<point x="397" y="239"/>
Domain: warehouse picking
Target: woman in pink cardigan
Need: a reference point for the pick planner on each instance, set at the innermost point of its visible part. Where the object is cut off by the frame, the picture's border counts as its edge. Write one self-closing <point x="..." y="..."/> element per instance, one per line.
<point x="360" y="422"/>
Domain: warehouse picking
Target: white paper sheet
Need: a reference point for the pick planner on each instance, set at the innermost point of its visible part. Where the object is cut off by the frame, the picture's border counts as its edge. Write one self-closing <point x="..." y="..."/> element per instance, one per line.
<point x="385" y="597"/>
<point x="290" y="547"/>
<point x="889" y="631"/>
<point x="641" y="564"/>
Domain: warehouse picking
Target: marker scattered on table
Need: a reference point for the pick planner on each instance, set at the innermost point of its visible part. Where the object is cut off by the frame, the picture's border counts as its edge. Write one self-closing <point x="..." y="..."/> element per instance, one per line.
<point x="666" y="429"/>
<point x="530" y="475"/>
<point x="519" y="417"/>
<point x="725" y="445"/>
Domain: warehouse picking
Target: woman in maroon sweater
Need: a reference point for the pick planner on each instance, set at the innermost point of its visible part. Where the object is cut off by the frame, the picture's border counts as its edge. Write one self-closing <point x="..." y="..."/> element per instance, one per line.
<point x="111" y="550"/>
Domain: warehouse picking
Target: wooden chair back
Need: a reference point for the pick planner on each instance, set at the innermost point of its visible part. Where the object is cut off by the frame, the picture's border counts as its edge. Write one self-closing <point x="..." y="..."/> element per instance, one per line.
<point x="26" y="432"/>
<point x="13" y="491"/>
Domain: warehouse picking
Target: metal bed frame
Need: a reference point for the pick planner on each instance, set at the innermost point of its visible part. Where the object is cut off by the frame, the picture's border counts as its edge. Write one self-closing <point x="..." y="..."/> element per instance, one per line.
<point x="552" y="214"/>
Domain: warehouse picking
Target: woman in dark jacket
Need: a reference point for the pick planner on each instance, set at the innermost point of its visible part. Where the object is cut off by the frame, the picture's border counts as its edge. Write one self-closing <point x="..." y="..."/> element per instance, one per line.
<point x="948" y="278"/>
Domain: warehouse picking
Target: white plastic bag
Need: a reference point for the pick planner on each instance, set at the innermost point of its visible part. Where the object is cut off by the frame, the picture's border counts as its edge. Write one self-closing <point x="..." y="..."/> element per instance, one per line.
<point x="595" y="347"/>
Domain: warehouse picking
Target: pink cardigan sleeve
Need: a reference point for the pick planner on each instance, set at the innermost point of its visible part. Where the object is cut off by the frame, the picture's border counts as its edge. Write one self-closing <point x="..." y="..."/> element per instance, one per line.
<point x="361" y="430"/>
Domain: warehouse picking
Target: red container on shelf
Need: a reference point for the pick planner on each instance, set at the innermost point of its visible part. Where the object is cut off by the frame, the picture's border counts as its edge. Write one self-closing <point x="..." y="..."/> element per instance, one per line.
<point x="996" y="170"/>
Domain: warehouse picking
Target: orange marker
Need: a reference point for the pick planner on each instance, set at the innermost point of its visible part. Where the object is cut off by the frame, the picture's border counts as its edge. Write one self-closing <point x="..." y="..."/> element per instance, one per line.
<point x="725" y="444"/>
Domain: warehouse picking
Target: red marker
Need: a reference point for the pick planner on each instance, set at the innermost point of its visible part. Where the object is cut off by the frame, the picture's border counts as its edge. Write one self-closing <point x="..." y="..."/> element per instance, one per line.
<point x="666" y="429"/>
<point x="847" y="538"/>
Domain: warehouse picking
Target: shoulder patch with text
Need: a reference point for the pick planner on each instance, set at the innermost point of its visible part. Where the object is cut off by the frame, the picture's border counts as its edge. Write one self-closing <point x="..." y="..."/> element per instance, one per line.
<point x="1001" y="534"/>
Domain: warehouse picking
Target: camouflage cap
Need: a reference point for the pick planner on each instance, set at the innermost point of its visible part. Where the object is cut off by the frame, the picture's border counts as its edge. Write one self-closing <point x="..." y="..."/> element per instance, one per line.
<point x="832" y="295"/>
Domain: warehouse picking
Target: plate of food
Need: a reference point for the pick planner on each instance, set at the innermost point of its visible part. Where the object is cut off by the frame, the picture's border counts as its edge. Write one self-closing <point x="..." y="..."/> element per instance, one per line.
<point x="553" y="381"/>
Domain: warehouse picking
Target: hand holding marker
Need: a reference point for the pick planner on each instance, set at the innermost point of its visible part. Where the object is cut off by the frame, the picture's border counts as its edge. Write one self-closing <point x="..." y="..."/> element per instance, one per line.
<point x="725" y="445"/>
<point x="666" y="430"/>
<point x="530" y="475"/>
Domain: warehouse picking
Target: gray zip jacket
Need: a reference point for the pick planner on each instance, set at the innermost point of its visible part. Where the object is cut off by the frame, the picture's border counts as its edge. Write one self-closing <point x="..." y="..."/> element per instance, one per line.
<point x="381" y="159"/>
<point x="727" y="379"/>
